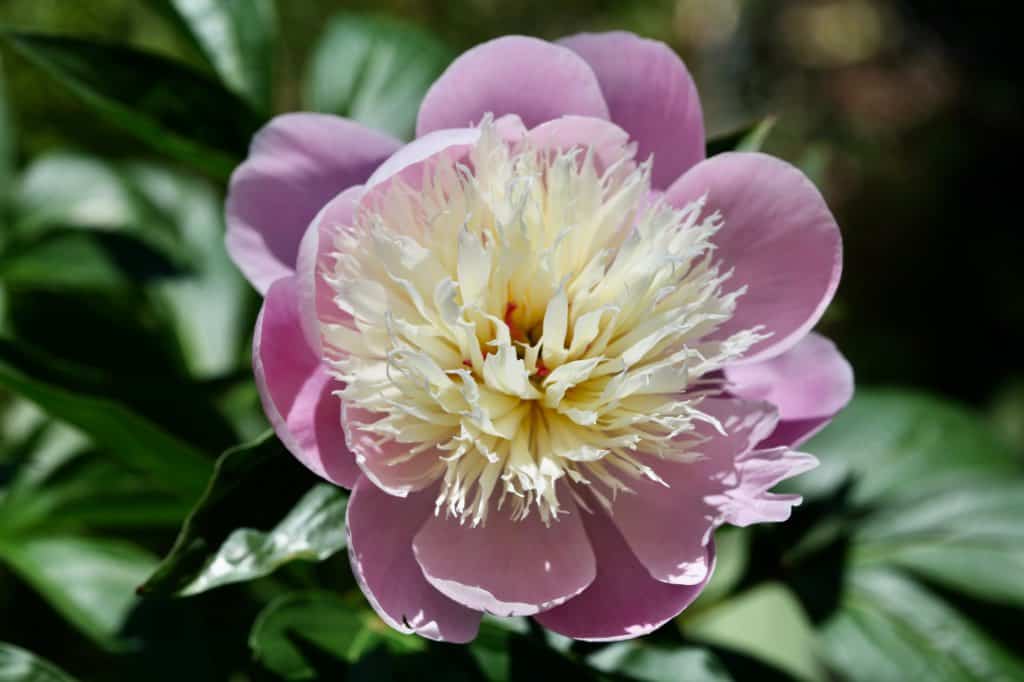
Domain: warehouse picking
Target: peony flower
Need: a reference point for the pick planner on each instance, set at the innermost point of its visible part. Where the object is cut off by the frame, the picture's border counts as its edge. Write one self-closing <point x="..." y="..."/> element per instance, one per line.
<point x="548" y="345"/>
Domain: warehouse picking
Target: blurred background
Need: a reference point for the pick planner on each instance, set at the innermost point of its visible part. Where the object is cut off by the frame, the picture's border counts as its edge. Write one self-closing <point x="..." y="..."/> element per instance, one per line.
<point x="113" y="286"/>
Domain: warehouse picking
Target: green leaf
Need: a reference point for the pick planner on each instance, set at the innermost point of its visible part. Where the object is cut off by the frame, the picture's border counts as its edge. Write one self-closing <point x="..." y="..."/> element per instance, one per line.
<point x="313" y="530"/>
<point x="8" y="147"/>
<point x="175" y="109"/>
<point x="748" y="138"/>
<point x="374" y="70"/>
<point x="646" y="663"/>
<point x="892" y="443"/>
<point x="18" y="665"/>
<point x="90" y="581"/>
<point x="341" y="627"/>
<point x="236" y="497"/>
<point x="237" y="39"/>
<point x="890" y="629"/>
<point x="766" y="622"/>
<point x="172" y="464"/>
<point x="968" y="537"/>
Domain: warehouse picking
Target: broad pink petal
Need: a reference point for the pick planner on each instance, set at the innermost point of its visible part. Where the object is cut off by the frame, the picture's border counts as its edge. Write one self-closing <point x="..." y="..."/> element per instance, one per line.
<point x="296" y="392"/>
<point x="779" y="237"/>
<point x="609" y="142"/>
<point x="669" y="527"/>
<point x="296" y="164"/>
<point x="378" y="460"/>
<point x="316" y="297"/>
<point x="532" y="78"/>
<point x="809" y="384"/>
<point x="624" y="601"/>
<point x="380" y="532"/>
<point x="508" y="568"/>
<point x="649" y="93"/>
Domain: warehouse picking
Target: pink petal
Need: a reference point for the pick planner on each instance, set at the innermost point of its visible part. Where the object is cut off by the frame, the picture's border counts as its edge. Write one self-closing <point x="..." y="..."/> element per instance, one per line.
<point x="649" y="93"/>
<point x="296" y="164"/>
<point x="532" y="78"/>
<point x="809" y="384"/>
<point x="749" y="501"/>
<point x="314" y="262"/>
<point x="509" y="568"/>
<point x="296" y="392"/>
<point x="378" y="460"/>
<point x="623" y="601"/>
<point x="609" y="142"/>
<point x="780" y="239"/>
<point x="380" y="533"/>
<point x="669" y="527"/>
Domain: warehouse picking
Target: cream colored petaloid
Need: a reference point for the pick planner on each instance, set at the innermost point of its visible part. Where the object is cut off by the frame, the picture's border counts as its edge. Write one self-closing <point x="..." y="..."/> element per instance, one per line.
<point x="531" y="320"/>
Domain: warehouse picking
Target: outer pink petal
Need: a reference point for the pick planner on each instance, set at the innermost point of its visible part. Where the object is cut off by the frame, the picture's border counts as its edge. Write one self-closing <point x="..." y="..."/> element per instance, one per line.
<point x="649" y="93"/>
<point x="378" y="460"/>
<point x="669" y="527"/>
<point x="316" y="297"/>
<point x="809" y="384"/>
<point x="749" y="501"/>
<point x="296" y="391"/>
<point x="296" y="164"/>
<point x="532" y="78"/>
<point x="508" y="568"/>
<point x="623" y="601"/>
<point x="609" y="142"/>
<point x="380" y="532"/>
<point x="779" y="237"/>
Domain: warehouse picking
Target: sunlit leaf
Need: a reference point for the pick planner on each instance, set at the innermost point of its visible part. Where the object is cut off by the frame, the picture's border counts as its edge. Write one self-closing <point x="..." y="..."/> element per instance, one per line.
<point x="90" y="581"/>
<point x="766" y="622"/>
<point x="235" y="36"/>
<point x="313" y="530"/>
<point x="890" y="629"/>
<point x="344" y="628"/>
<point x="236" y="498"/>
<point x="175" y="109"/>
<point x="374" y="70"/>
<point x="141" y="445"/>
<point x="646" y="663"/>
<point x="18" y="665"/>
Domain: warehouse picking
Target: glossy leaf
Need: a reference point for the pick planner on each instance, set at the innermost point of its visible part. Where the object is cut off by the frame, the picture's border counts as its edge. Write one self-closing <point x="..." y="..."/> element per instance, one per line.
<point x="237" y="39"/>
<point x="645" y="663"/>
<point x="968" y="537"/>
<point x="18" y="665"/>
<point x="90" y="581"/>
<point x="313" y="530"/>
<point x="173" y="108"/>
<point x="171" y="463"/>
<point x="343" y="628"/>
<point x="236" y="497"/>
<point x="890" y="629"/>
<point x="894" y="443"/>
<point x="766" y="622"/>
<point x="374" y="70"/>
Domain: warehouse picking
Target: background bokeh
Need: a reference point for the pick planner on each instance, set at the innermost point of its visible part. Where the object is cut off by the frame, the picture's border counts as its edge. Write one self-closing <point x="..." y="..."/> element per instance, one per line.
<point x="906" y="113"/>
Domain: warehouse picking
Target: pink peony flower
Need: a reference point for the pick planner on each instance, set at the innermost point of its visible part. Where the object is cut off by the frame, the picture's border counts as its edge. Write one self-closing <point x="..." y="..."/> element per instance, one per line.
<point x="548" y="345"/>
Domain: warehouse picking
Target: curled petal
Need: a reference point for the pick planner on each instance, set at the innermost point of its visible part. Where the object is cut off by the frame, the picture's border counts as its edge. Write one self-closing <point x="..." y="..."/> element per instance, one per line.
<point x="809" y="384"/>
<point x="532" y="78"/>
<point x="779" y="238"/>
<point x="624" y="601"/>
<point x="296" y="392"/>
<point x="296" y="164"/>
<point x="380" y="532"/>
<point x="649" y="93"/>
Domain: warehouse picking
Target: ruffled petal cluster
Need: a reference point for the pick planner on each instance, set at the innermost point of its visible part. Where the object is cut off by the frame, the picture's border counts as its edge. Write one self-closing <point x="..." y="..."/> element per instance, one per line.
<point x="547" y="344"/>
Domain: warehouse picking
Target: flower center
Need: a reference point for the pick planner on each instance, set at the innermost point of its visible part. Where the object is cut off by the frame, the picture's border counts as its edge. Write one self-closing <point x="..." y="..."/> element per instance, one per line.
<point x="531" y="321"/>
